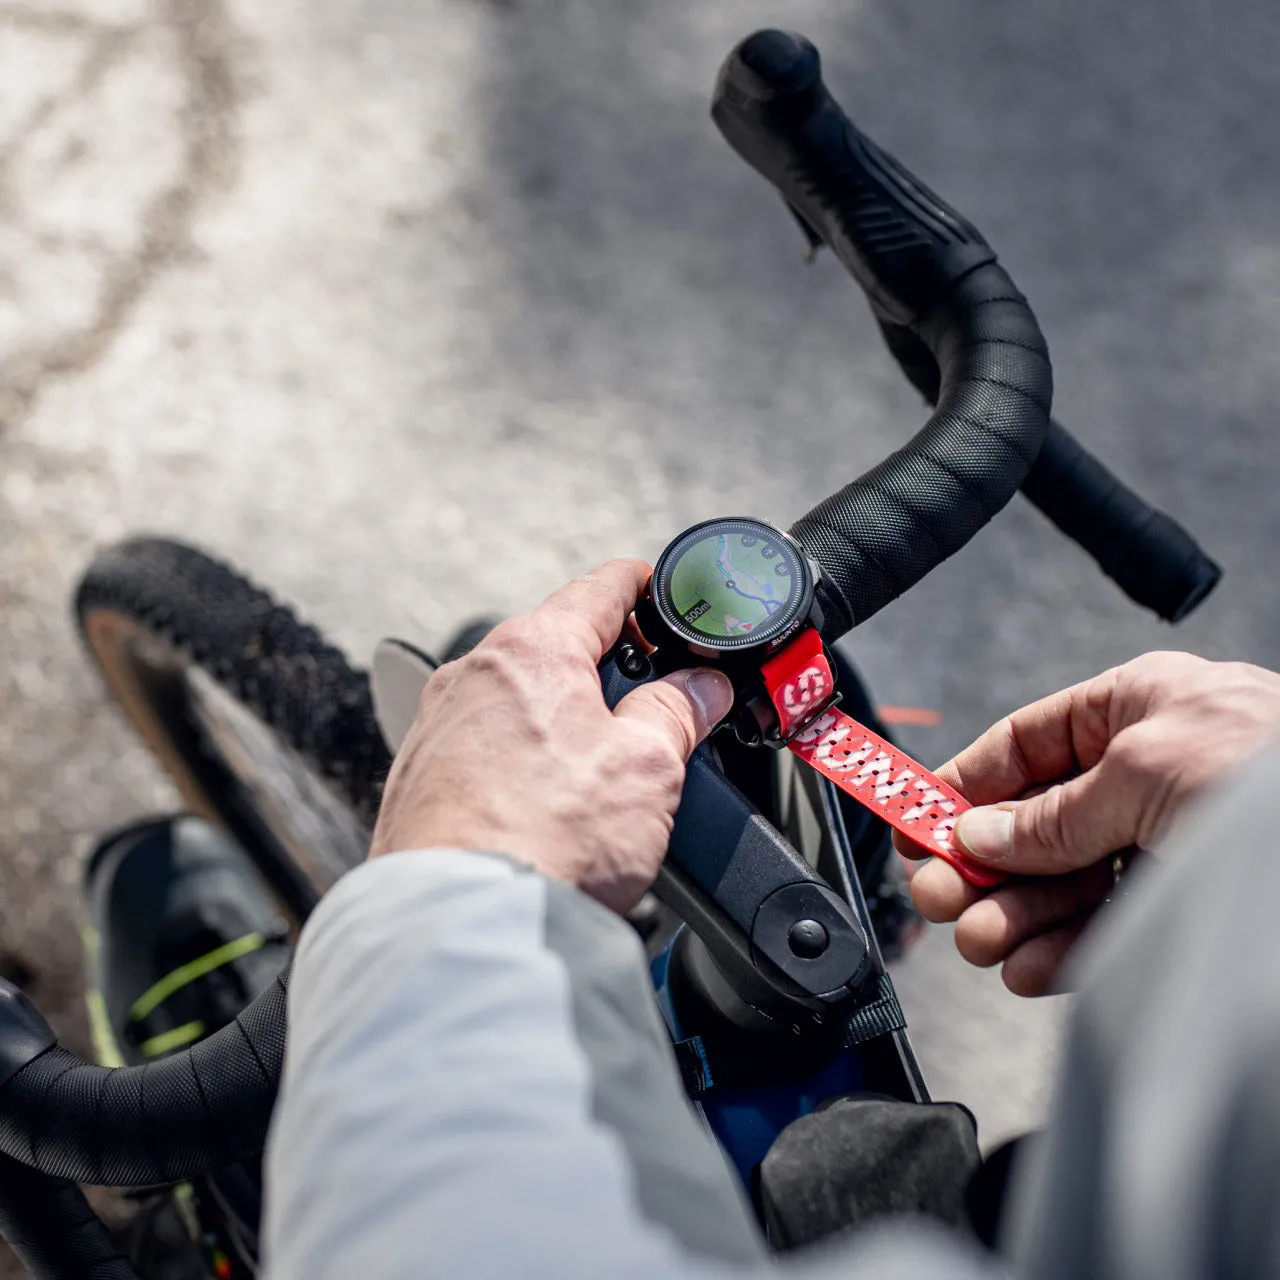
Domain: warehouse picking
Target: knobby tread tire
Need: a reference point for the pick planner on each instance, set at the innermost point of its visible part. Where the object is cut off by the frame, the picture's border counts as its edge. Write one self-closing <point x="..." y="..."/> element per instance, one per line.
<point x="280" y="668"/>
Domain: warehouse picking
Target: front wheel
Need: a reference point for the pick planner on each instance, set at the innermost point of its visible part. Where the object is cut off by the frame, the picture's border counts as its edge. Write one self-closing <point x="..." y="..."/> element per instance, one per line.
<point x="265" y="727"/>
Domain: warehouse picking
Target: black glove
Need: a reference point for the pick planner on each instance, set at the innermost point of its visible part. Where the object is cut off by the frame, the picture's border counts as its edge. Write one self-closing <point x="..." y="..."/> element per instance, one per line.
<point x="862" y="1157"/>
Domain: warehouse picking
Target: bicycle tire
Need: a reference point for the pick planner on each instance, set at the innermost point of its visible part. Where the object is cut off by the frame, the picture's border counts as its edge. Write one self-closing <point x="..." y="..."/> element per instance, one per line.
<point x="182" y="640"/>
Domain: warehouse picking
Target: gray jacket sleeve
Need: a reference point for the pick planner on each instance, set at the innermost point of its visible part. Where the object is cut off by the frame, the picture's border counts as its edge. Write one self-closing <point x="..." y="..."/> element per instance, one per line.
<point x="1162" y="1156"/>
<point x="478" y="1083"/>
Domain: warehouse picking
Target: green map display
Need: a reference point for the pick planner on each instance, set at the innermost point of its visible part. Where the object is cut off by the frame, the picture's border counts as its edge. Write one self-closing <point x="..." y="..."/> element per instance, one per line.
<point x="729" y="584"/>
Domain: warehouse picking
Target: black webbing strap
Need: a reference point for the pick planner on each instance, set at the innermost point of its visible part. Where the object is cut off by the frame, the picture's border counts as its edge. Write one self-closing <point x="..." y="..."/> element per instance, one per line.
<point x="879" y="1016"/>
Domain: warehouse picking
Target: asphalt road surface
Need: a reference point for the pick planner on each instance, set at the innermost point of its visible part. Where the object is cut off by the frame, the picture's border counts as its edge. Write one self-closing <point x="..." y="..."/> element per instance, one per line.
<point x="416" y="309"/>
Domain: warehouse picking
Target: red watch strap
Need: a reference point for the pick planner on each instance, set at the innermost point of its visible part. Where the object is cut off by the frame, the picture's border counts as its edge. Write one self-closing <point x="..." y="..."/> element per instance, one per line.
<point x="861" y="763"/>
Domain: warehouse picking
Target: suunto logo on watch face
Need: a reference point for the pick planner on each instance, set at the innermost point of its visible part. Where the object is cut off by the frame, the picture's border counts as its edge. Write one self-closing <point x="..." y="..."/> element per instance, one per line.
<point x="692" y="615"/>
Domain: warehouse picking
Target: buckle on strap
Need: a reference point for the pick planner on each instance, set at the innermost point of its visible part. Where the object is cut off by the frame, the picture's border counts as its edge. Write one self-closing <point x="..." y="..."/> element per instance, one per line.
<point x="816" y="714"/>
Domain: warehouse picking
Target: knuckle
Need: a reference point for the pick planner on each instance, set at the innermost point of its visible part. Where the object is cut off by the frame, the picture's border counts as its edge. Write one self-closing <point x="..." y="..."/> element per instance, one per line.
<point x="615" y="577"/>
<point x="607" y="585"/>
<point x="514" y="636"/>
<point x="1045" y="823"/>
<point x="1145" y="753"/>
<point x="1154" y="775"/>
<point x="1243" y="693"/>
<point x="491" y="660"/>
<point x="939" y="892"/>
<point x="525" y="645"/>
<point x="504" y="666"/>
<point x="1096" y="700"/>
<point x="1153" y="678"/>
<point x="673" y="707"/>
<point x="973" y="949"/>
<point x="982" y="940"/>
<point x="632" y="564"/>
<point x="1027" y="975"/>
<point x="653" y="755"/>
<point x="646" y="768"/>
<point x="442" y="679"/>
<point x="1165" y="664"/>
<point x="581" y="590"/>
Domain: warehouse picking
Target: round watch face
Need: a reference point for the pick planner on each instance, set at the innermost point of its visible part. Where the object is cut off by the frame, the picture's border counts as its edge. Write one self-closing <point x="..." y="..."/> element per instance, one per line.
<point x="732" y="584"/>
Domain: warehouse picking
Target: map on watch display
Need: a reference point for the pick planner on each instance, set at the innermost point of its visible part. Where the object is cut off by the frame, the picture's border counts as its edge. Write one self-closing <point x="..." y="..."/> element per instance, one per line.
<point x="733" y="582"/>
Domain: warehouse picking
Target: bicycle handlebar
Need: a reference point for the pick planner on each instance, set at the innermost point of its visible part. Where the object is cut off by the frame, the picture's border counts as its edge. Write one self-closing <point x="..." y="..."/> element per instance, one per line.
<point x="1148" y="555"/>
<point x="1145" y="552"/>
<point x="138" y="1126"/>
<point x="923" y="268"/>
<point x="50" y="1226"/>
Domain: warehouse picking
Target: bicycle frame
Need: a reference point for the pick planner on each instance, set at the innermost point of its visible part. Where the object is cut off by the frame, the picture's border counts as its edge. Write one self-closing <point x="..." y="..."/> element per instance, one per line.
<point x="746" y="1120"/>
<point x="807" y="809"/>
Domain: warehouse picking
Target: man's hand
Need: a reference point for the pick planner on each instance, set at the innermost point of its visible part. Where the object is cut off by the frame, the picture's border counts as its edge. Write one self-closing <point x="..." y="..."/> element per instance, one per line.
<point x="1070" y="781"/>
<point x="514" y="751"/>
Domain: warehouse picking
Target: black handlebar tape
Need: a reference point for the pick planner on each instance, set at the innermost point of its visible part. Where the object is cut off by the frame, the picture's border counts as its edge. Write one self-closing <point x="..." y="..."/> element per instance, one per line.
<point x="923" y="268"/>
<point x="50" y="1226"/>
<point x="162" y="1122"/>
<point x="1148" y="554"/>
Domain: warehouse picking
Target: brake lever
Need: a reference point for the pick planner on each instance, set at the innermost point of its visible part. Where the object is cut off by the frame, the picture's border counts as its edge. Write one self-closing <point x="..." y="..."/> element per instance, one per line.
<point x="751" y="898"/>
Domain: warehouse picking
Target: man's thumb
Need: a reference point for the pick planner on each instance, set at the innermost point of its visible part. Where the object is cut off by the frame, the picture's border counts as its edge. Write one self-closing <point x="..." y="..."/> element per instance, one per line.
<point x="1071" y="825"/>
<point x="686" y="705"/>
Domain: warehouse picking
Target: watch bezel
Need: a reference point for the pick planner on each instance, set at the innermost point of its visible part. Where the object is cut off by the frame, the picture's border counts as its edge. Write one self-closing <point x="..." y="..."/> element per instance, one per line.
<point x="798" y="613"/>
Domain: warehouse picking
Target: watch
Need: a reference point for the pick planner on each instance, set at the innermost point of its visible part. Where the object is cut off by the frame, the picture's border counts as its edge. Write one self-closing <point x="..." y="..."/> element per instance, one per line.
<point x="731" y="591"/>
<point x="741" y="595"/>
